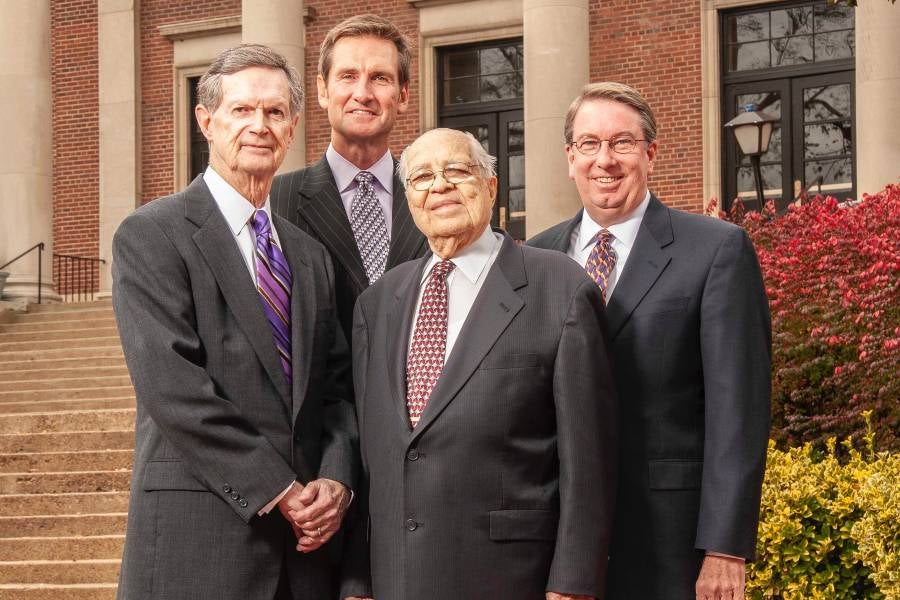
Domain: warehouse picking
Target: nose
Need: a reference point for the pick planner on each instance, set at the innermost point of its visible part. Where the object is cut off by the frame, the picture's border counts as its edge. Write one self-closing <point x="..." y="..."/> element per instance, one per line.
<point x="605" y="155"/>
<point x="362" y="91"/>
<point x="258" y="123"/>
<point x="440" y="183"/>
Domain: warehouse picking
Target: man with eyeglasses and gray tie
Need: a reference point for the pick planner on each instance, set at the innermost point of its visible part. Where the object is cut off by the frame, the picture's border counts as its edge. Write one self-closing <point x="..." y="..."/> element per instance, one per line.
<point x="691" y="338"/>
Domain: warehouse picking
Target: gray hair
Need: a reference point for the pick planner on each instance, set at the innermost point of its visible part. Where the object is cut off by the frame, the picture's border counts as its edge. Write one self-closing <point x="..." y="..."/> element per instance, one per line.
<point x="477" y="154"/>
<point x="617" y="92"/>
<point x="246" y="56"/>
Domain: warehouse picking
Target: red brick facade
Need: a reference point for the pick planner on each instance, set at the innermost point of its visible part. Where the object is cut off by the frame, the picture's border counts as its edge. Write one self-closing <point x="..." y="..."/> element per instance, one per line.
<point x="654" y="46"/>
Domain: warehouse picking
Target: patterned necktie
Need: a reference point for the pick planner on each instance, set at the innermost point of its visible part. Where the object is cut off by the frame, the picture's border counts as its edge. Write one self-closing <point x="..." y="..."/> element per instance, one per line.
<point x="429" y="342"/>
<point x="602" y="261"/>
<point x="273" y="280"/>
<point x="369" y="227"/>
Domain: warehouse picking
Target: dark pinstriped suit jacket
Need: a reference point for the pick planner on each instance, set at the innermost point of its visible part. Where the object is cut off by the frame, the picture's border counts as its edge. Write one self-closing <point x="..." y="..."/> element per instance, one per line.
<point x="309" y="199"/>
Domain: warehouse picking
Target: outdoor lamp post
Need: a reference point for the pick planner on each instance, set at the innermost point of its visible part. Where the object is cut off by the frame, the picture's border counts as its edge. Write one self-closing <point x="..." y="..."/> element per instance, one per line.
<point x="753" y="131"/>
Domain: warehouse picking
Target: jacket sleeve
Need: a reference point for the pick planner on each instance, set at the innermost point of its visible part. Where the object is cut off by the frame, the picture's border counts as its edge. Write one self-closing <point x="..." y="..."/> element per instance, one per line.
<point x="735" y="337"/>
<point x="156" y="316"/>
<point x="587" y="415"/>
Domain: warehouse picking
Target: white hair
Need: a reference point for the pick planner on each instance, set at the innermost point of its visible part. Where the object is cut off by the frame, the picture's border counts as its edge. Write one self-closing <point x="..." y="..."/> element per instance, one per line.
<point x="477" y="154"/>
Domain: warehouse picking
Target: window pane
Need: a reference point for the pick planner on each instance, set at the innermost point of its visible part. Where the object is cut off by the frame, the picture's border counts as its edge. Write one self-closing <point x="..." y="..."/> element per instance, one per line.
<point x="480" y="132"/>
<point x="746" y="183"/>
<point x="459" y="64"/>
<point x="826" y="102"/>
<point x="838" y="171"/>
<point x="769" y="102"/>
<point x="498" y="60"/>
<point x="829" y="18"/>
<point x="458" y="91"/>
<point x="747" y="28"/>
<point x="517" y="200"/>
<point x="499" y="87"/>
<point x="834" y="45"/>
<point x="826" y="139"/>
<point x="745" y="57"/>
<point x="792" y="21"/>
<point x="792" y="51"/>
<point x="517" y="171"/>
<point x="515" y="132"/>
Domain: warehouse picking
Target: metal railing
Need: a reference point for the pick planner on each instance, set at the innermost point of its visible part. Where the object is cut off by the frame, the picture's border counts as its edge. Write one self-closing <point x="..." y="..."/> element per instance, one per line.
<point x="40" y="249"/>
<point x="76" y="276"/>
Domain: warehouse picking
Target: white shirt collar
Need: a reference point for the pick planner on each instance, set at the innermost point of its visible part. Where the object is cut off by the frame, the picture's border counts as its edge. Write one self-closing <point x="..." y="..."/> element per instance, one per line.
<point x="473" y="259"/>
<point x="625" y="232"/>
<point x="345" y="171"/>
<point x="236" y="209"/>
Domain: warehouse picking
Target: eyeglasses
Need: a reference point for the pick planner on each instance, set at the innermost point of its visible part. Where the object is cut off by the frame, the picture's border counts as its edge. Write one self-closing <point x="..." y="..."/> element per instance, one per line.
<point x="453" y="173"/>
<point x="624" y="144"/>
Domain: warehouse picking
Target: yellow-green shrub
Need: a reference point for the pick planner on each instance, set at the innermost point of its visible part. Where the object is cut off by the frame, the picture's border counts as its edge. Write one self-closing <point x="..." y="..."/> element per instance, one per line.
<point x="829" y="527"/>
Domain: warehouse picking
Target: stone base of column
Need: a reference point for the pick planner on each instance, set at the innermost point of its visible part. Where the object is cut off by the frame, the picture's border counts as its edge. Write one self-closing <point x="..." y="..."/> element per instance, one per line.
<point x="24" y="287"/>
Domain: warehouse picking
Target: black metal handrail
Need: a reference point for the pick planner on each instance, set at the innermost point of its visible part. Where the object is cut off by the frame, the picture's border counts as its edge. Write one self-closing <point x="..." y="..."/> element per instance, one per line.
<point x="78" y="270"/>
<point x="40" y="249"/>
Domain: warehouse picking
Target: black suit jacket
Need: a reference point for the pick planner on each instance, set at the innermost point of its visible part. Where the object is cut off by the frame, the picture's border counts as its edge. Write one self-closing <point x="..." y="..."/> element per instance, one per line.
<point x="219" y="430"/>
<point x="309" y="198"/>
<point x="505" y="487"/>
<point x="691" y="338"/>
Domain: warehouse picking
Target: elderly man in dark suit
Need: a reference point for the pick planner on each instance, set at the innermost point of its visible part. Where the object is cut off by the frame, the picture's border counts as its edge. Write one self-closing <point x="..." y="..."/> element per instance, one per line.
<point x="351" y="200"/>
<point x="241" y="372"/>
<point x="691" y="337"/>
<point x="488" y="418"/>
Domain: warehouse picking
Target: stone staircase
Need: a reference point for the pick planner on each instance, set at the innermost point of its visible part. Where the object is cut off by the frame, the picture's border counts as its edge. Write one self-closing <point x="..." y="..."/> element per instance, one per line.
<point x="66" y="443"/>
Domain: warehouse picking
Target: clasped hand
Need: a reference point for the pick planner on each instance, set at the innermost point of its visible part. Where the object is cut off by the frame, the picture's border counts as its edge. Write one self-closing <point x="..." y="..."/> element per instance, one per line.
<point x="315" y="511"/>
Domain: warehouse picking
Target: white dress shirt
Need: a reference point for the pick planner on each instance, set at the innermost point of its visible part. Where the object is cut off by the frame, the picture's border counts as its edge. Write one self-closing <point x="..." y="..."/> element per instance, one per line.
<point x="345" y="173"/>
<point x="584" y="238"/>
<point x="463" y="283"/>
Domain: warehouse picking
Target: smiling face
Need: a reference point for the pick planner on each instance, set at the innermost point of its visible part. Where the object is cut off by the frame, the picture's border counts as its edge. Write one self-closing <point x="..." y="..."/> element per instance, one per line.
<point x="362" y="93"/>
<point x="252" y="128"/>
<point x="611" y="185"/>
<point x="451" y="216"/>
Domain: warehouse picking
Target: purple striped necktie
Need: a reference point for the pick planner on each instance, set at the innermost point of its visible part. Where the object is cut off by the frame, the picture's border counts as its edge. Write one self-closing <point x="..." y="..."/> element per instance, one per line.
<point x="273" y="280"/>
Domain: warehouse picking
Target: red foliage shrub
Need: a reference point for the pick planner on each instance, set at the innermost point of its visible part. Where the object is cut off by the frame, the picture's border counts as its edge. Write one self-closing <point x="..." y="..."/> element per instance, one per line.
<point x="832" y="275"/>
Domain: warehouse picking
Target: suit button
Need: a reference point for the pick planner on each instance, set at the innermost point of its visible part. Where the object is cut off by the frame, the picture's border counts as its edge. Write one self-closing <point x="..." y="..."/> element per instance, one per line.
<point x="296" y="437"/>
<point x="243" y="503"/>
<point x="411" y="524"/>
<point x="412" y="455"/>
<point x="235" y="495"/>
<point x="226" y="488"/>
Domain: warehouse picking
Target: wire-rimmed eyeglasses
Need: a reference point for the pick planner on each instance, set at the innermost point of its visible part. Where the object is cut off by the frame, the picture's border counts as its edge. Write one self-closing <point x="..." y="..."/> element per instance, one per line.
<point x="453" y="173"/>
<point x="623" y="144"/>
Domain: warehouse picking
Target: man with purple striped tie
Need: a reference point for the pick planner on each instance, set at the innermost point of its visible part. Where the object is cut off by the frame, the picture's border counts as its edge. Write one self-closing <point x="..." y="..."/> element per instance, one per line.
<point x="228" y="322"/>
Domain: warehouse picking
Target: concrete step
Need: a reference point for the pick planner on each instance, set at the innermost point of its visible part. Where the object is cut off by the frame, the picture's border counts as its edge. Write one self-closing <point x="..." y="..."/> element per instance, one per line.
<point x="75" y="420"/>
<point x="101" y="570"/>
<point x="71" y="383"/>
<point x="122" y="439"/>
<point x="19" y="505"/>
<point x="63" y="316"/>
<point x="58" y="462"/>
<point x="74" y="363"/>
<point x="90" y="340"/>
<point x="62" y="405"/>
<point x="68" y="353"/>
<point x="94" y="321"/>
<point x="70" y="306"/>
<point x="57" y="335"/>
<point x="64" y="483"/>
<point x="22" y="377"/>
<point x="61" y="548"/>
<point x="38" y="591"/>
<point x="62" y="525"/>
<point x="121" y="391"/>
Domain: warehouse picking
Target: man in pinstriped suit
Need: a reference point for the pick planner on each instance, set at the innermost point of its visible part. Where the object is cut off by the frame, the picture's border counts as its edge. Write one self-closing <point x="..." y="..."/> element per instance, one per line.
<point x="363" y="84"/>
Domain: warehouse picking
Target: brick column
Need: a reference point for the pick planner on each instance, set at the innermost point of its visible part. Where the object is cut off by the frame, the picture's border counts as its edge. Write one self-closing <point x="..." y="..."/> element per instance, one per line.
<point x="26" y="206"/>
<point x="556" y="68"/>
<point x="279" y="25"/>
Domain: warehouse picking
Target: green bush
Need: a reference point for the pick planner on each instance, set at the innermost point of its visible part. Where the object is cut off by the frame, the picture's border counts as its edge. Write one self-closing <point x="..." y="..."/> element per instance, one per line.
<point x="829" y="526"/>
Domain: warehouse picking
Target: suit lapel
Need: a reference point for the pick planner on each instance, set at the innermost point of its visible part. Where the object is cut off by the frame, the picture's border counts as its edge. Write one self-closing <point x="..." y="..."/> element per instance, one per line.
<point x="494" y="308"/>
<point x="646" y="262"/>
<point x="218" y="247"/>
<point x="563" y="239"/>
<point x="303" y="311"/>
<point x="407" y="242"/>
<point x="321" y="207"/>
<point x="397" y="341"/>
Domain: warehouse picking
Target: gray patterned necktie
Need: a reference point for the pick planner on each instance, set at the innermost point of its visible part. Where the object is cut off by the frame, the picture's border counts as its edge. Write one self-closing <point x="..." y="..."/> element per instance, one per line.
<point x="369" y="227"/>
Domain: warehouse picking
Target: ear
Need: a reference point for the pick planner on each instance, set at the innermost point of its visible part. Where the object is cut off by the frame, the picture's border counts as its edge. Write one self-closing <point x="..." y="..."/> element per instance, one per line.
<point x="294" y="121"/>
<point x="404" y="98"/>
<point x="570" y="159"/>
<point x="203" y="116"/>
<point x="322" y="89"/>
<point x="492" y="189"/>
<point x="651" y="156"/>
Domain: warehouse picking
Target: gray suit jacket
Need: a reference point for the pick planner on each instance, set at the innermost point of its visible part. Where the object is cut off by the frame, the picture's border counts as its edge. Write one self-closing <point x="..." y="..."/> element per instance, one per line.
<point x="690" y="333"/>
<point x="505" y="487"/>
<point x="220" y="433"/>
<point x="309" y="199"/>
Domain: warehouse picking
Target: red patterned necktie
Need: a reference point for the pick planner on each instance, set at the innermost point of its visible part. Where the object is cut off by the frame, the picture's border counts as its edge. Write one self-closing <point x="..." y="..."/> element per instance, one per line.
<point x="602" y="261"/>
<point x="273" y="280"/>
<point x="426" y="354"/>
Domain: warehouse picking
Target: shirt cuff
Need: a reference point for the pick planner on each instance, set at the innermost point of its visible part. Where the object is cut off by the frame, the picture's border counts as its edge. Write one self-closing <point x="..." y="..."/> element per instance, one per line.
<point x="723" y="555"/>
<point x="268" y="507"/>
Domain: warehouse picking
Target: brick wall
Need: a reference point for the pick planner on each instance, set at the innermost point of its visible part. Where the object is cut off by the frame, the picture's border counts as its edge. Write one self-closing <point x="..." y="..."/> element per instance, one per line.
<point x="76" y="146"/>
<point x="157" y="87"/>
<point x="654" y="46"/>
<point x="330" y="13"/>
